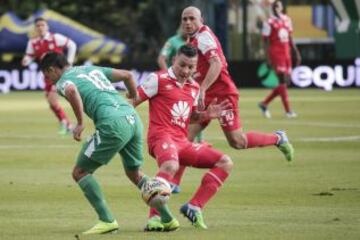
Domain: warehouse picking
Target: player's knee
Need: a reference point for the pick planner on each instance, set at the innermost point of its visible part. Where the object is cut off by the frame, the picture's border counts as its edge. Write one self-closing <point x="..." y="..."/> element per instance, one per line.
<point x="238" y="142"/>
<point x="170" y="167"/>
<point x="225" y="163"/>
<point x="78" y="174"/>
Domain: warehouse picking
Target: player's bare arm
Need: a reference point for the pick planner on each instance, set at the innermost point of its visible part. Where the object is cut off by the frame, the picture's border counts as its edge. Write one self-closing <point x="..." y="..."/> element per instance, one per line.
<point x="266" y="48"/>
<point x="214" y="110"/>
<point x="210" y="78"/>
<point x="129" y="81"/>
<point x="73" y="96"/>
<point x="296" y="51"/>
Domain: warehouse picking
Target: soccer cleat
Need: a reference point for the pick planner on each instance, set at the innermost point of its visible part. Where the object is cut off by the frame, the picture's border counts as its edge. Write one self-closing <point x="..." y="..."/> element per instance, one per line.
<point x="102" y="228"/>
<point x="285" y="146"/>
<point x="291" y="114"/>
<point x="175" y="188"/>
<point x="264" y="110"/>
<point x="194" y="215"/>
<point x="154" y="225"/>
<point x="173" y="225"/>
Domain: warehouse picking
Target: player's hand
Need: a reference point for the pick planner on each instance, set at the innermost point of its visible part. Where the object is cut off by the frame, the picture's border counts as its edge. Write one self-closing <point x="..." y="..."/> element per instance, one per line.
<point x="216" y="110"/>
<point x="77" y="132"/>
<point x="201" y="101"/>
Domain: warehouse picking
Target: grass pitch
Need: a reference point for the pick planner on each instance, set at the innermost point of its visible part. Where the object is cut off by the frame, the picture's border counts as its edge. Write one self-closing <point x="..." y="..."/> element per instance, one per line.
<point x="315" y="197"/>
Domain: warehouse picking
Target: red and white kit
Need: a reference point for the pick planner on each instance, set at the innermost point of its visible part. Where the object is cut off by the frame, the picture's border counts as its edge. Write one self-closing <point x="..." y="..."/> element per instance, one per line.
<point x="170" y="108"/>
<point x="224" y="87"/>
<point x="278" y="30"/>
<point x="51" y="42"/>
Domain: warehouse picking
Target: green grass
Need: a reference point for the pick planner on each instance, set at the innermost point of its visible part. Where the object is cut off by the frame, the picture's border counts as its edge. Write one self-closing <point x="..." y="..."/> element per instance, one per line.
<point x="315" y="197"/>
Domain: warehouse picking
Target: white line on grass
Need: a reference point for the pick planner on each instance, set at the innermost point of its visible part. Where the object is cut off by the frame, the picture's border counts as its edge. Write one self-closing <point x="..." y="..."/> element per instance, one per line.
<point x="310" y="139"/>
<point x="330" y="139"/>
<point x="25" y="146"/>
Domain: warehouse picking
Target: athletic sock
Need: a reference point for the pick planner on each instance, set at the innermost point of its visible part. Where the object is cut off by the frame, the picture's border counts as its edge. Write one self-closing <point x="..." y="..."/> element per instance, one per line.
<point x="59" y="113"/>
<point x="92" y="192"/>
<point x="210" y="183"/>
<point x="259" y="139"/>
<point x="271" y="96"/>
<point x="163" y="210"/>
<point x="284" y="96"/>
<point x="178" y="175"/>
<point x="143" y="180"/>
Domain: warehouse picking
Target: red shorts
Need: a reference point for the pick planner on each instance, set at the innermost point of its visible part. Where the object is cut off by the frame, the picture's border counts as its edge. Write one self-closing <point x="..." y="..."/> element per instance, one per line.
<point x="49" y="86"/>
<point x="230" y="120"/>
<point x="281" y="63"/>
<point x="185" y="152"/>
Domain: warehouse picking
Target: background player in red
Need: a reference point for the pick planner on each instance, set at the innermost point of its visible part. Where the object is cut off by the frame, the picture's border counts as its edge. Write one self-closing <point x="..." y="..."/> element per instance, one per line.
<point x="37" y="47"/>
<point x="215" y="82"/>
<point x="278" y="44"/>
<point x="172" y="96"/>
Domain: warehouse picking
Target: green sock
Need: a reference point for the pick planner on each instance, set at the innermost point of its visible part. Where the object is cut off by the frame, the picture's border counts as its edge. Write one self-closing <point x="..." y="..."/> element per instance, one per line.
<point x="165" y="213"/>
<point x="142" y="181"/>
<point x="164" y="210"/>
<point x="92" y="192"/>
<point x="199" y="137"/>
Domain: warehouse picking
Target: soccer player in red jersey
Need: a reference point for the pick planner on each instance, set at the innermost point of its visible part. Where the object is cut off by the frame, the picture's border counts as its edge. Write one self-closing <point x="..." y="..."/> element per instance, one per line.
<point x="278" y="44"/>
<point x="37" y="47"/>
<point x="215" y="82"/>
<point x="173" y="97"/>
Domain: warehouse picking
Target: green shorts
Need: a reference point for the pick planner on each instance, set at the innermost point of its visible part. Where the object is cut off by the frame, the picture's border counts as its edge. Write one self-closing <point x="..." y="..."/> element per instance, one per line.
<point x="121" y="135"/>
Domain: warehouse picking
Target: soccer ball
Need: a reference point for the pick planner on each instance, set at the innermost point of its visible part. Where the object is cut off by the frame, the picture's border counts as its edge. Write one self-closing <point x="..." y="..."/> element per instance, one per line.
<point x="156" y="192"/>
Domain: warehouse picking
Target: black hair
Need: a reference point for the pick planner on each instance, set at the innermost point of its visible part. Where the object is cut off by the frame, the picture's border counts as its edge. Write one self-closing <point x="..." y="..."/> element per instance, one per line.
<point x="40" y="19"/>
<point x="188" y="50"/>
<point x="53" y="59"/>
<point x="274" y="4"/>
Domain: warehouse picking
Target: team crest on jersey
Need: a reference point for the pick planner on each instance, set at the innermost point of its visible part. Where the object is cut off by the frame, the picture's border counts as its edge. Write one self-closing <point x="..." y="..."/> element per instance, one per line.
<point x="180" y="113"/>
<point x="169" y="87"/>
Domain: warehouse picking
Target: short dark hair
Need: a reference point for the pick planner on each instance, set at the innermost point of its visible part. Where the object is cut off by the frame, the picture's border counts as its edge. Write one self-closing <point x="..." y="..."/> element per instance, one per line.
<point x="188" y="50"/>
<point x="53" y="59"/>
<point x="40" y="19"/>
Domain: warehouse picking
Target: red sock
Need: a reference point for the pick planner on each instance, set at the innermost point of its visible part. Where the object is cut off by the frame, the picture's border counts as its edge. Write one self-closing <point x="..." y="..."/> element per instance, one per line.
<point x="210" y="183"/>
<point x="271" y="96"/>
<point x="177" y="178"/>
<point x="258" y="139"/>
<point x="59" y="113"/>
<point x="284" y="97"/>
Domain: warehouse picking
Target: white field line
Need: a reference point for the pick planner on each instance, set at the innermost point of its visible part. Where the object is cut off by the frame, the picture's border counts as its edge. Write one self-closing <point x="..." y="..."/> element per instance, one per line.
<point x="210" y="139"/>
<point x="33" y="146"/>
<point x="330" y="139"/>
<point x="315" y="124"/>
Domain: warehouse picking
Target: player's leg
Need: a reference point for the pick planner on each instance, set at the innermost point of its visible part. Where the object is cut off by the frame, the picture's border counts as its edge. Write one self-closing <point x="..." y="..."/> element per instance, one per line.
<point x="203" y="156"/>
<point x="166" y="154"/>
<point x="97" y="151"/>
<point x="231" y="126"/>
<point x="53" y="101"/>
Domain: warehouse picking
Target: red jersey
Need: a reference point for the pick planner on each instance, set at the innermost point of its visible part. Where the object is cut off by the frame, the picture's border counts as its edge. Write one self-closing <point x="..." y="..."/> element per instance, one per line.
<point x="209" y="46"/>
<point x="40" y="46"/>
<point x="170" y="104"/>
<point x="278" y="30"/>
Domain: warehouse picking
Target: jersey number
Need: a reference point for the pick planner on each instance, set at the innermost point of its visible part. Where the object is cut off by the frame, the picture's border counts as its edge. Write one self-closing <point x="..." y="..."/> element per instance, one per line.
<point x="99" y="80"/>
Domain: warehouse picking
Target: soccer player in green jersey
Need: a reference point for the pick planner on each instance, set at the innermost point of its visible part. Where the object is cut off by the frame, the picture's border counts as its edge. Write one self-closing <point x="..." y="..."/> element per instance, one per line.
<point x="118" y="130"/>
<point x="169" y="50"/>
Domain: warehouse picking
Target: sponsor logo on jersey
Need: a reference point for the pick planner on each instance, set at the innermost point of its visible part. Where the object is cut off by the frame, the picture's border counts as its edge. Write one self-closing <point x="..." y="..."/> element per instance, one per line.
<point x="180" y="113"/>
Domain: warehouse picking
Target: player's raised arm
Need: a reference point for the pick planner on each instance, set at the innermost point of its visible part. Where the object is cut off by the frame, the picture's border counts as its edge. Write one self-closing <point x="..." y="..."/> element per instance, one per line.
<point x="128" y="79"/>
